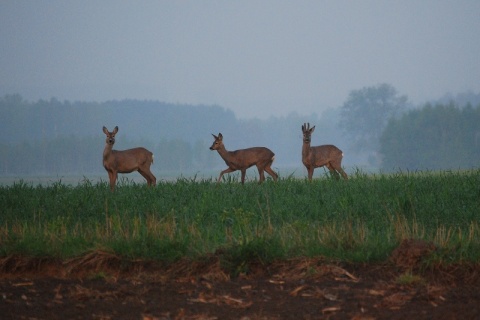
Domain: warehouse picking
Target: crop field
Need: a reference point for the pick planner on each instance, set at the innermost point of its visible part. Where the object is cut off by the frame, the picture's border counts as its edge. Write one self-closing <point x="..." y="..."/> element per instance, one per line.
<point x="359" y="220"/>
<point x="377" y="246"/>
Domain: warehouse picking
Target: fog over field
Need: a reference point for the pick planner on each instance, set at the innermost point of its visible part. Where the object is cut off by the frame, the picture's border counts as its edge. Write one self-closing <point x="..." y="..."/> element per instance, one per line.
<point x="257" y="58"/>
<point x="170" y="74"/>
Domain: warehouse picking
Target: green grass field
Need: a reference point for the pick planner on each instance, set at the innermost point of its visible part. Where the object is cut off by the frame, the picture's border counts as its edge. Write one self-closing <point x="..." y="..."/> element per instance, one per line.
<point x="359" y="220"/>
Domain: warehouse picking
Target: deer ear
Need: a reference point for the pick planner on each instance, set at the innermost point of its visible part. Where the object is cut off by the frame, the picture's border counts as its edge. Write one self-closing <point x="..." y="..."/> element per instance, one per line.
<point x="313" y="129"/>
<point x="220" y="136"/>
<point x="214" y="136"/>
<point x="105" y="130"/>
<point x="115" y="130"/>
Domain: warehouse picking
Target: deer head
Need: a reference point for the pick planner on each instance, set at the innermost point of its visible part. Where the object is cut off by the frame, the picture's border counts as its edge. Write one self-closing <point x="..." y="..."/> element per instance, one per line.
<point x="307" y="132"/>
<point x="110" y="135"/>
<point x="218" y="142"/>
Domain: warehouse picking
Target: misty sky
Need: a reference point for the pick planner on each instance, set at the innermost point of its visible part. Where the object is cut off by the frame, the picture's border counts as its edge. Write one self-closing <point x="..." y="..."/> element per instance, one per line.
<point x="257" y="58"/>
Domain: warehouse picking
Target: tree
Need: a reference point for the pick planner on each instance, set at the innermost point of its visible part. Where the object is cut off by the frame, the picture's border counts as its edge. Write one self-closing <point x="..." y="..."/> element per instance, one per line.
<point x="433" y="137"/>
<point x="366" y="113"/>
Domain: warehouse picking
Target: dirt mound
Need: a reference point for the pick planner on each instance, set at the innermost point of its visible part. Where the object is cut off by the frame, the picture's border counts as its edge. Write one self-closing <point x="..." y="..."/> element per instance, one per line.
<point x="410" y="253"/>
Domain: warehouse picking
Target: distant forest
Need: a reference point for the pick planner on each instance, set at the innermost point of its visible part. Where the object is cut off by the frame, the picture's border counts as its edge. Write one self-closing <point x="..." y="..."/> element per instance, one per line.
<point x="441" y="136"/>
<point x="54" y="137"/>
<point x="51" y="137"/>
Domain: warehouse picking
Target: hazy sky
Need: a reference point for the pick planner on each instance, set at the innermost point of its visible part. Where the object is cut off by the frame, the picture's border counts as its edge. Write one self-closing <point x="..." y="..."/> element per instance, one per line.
<point x="258" y="58"/>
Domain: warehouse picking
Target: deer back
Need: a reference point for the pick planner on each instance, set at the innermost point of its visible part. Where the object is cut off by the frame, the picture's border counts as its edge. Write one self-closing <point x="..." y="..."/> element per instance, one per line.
<point x="242" y="158"/>
<point x="320" y="155"/>
<point x="245" y="158"/>
<point x="127" y="161"/>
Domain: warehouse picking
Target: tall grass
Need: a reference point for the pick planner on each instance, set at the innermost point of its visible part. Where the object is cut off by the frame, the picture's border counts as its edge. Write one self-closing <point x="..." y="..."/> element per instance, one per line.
<point x="361" y="219"/>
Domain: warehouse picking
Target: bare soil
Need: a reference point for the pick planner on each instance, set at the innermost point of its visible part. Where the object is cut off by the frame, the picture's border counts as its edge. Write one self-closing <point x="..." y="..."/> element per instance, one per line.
<point x="102" y="286"/>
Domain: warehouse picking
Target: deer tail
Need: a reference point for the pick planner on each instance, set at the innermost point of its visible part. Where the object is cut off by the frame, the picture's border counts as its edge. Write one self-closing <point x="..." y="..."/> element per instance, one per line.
<point x="152" y="157"/>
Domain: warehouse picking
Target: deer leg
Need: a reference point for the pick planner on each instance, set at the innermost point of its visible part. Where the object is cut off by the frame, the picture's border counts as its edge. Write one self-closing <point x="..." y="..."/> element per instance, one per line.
<point x="310" y="173"/>
<point x="271" y="172"/>
<point x="344" y="175"/>
<point x="153" y="180"/>
<point x="112" y="176"/>
<point x="261" y="174"/>
<point x="337" y="166"/>
<point x="145" y="176"/>
<point x="148" y="176"/>
<point x="332" y="171"/>
<point x="228" y="170"/>
<point x="244" y="171"/>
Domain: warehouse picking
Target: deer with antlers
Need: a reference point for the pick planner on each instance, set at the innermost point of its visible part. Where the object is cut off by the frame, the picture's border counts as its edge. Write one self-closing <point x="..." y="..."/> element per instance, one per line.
<point x="126" y="161"/>
<point x="325" y="155"/>
<point x="245" y="158"/>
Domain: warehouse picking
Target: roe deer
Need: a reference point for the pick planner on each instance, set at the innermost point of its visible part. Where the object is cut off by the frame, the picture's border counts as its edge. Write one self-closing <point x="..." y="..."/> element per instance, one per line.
<point x="126" y="161"/>
<point x="243" y="159"/>
<point x="326" y="155"/>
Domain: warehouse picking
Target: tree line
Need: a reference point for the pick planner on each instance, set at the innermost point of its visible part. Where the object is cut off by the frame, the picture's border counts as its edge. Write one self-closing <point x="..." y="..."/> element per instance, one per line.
<point x="376" y="127"/>
<point x="441" y="136"/>
<point x="395" y="135"/>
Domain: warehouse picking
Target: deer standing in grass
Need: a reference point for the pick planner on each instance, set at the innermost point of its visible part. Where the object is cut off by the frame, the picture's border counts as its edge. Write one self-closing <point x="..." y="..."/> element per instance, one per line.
<point x="245" y="158"/>
<point x="126" y="161"/>
<point x="325" y="155"/>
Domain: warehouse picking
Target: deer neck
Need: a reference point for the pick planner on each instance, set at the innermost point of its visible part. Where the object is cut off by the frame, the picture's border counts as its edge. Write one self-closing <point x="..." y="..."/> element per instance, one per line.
<point x="226" y="155"/>
<point x="107" y="151"/>
<point x="305" y="150"/>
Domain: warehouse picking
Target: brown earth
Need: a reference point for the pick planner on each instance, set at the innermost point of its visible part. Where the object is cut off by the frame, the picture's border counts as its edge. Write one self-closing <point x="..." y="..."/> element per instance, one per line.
<point x="101" y="286"/>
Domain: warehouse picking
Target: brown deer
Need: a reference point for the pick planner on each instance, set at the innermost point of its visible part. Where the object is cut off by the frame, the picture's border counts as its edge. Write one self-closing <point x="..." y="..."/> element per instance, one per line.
<point x="126" y="161"/>
<point x="243" y="159"/>
<point x="326" y="155"/>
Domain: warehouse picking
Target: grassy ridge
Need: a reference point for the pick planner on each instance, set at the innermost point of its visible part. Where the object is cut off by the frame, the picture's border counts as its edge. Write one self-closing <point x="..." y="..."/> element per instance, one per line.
<point x="361" y="219"/>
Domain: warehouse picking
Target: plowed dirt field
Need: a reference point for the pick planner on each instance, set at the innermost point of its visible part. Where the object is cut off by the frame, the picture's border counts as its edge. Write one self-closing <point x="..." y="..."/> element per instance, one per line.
<point x="100" y="286"/>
